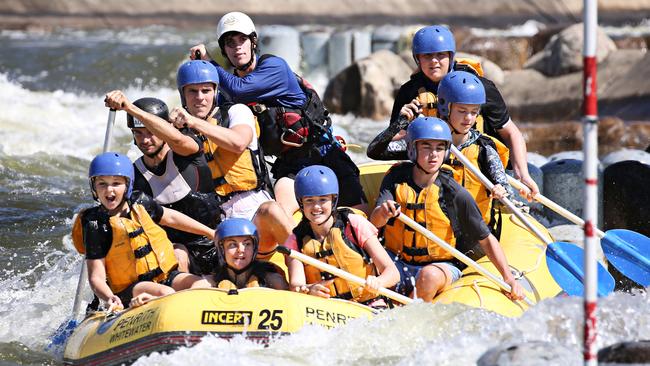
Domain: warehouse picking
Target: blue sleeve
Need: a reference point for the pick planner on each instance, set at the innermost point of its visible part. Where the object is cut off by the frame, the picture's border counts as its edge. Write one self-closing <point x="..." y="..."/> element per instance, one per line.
<point x="272" y="82"/>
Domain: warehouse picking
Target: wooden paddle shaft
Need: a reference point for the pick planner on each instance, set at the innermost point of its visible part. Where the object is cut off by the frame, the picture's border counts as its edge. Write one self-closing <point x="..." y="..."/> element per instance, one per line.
<point x="457" y="254"/>
<point x="552" y="205"/>
<point x="486" y="182"/>
<point x="341" y="273"/>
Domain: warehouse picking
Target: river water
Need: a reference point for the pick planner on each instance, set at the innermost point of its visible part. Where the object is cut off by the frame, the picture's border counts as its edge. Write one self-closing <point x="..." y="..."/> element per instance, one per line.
<point x="52" y="122"/>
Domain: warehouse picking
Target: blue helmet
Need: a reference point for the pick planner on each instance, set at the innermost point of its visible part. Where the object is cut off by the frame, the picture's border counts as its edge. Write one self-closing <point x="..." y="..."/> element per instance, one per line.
<point x="316" y="180"/>
<point x="459" y="87"/>
<point x="234" y="227"/>
<point x="425" y="128"/>
<point x="111" y="163"/>
<point x="434" y="38"/>
<point x="196" y="72"/>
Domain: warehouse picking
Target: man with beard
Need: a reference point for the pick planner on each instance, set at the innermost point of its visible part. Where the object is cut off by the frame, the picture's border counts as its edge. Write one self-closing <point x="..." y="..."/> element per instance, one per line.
<point x="174" y="172"/>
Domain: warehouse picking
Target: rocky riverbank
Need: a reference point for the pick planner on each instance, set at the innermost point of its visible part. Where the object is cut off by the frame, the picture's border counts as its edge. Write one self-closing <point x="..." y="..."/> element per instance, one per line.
<point x="541" y="88"/>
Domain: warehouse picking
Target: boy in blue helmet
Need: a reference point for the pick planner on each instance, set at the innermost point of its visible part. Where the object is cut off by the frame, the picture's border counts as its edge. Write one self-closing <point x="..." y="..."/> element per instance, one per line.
<point x="237" y="244"/>
<point x="460" y="97"/>
<point x="129" y="256"/>
<point x="229" y="135"/>
<point x="426" y="191"/>
<point x="296" y="126"/>
<point x="338" y="237"/>
<point x="173" y="171"/>
<point x="434" y="50"/>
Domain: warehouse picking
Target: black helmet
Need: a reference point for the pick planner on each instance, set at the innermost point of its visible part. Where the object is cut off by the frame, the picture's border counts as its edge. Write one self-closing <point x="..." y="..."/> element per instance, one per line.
<point x="151" y="105"/>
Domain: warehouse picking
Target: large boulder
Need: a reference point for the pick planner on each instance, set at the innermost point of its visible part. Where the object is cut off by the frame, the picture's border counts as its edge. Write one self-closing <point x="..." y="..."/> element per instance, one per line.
<point x="563" y="53"/>
<point x="367" y="88"/>
<point x="622" y="90"/>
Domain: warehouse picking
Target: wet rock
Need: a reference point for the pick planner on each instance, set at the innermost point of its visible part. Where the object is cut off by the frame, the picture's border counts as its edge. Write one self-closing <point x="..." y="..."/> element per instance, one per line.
<point x="633" y="352"/>
<point x="626" y="197"/>
<point x="535" y="353"/>
<point x="367" y="87"/>
<point x="563" y="53"/>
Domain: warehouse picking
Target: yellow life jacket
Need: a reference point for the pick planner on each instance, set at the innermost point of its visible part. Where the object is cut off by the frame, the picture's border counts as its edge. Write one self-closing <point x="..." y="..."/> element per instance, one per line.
<point x="467" y="179"/>
<point x="232" y="172"/>
<point x="229" y="285"/>
<point x="337" y="250"/>
<point x="473" y="64"/>
<point x="140" y="250"/>
<point x="425" y="208"/>
<point x="428" y="101"/>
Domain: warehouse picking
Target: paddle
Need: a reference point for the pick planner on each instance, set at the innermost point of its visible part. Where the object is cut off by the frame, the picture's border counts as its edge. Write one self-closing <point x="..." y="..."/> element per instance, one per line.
<point x="627" y="250"/>
<point x="457" y="254"/>
<point x="64" y="331"/>
<point x="340" y="273"/>
<point x="568" y="262"/>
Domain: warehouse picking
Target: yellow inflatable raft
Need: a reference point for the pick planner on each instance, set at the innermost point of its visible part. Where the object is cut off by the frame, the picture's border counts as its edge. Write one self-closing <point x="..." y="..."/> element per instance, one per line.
<point x="526" y="256"/>
<point x="181" y="319"/>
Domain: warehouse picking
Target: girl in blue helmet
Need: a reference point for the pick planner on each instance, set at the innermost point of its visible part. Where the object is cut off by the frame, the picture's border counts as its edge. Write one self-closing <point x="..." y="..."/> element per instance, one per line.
<point x="434" y="51"/>
<point x="339" y="237"/>
<point x="129" y="257"/>
<point x="425" y="190"/>
<point x="460" y="97"/>
<point x="237" y="244"/>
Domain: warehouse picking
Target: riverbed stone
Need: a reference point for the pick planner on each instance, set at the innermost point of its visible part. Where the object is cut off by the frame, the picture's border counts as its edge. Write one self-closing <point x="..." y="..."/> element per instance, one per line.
<point x="534" y="353"/>
<point x="625" y="353"/>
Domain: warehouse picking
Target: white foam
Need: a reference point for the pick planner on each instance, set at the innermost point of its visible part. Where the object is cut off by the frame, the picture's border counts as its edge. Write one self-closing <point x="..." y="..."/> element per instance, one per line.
<point x="62" y="122"/>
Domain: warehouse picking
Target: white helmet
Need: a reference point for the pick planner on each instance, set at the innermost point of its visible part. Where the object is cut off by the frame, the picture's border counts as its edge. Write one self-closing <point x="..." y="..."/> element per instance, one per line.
<point x="235" y="22"/>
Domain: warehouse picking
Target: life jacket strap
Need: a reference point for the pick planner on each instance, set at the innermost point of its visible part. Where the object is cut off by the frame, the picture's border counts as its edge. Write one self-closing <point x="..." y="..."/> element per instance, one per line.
<point x="414" y="252"/>
<point x="149" y="276"/>
<point x="324" y="253"/>
<point x="143" y="251"/>
<point x="135" y="233"/>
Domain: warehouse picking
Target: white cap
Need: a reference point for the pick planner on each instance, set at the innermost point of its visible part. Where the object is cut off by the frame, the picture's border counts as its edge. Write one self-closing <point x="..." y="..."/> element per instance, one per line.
<point x="235" y="22"/>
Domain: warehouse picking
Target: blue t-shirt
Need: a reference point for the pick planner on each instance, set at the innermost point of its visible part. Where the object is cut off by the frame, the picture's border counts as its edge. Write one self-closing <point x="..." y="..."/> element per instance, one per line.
<point x="271" y="83"/>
